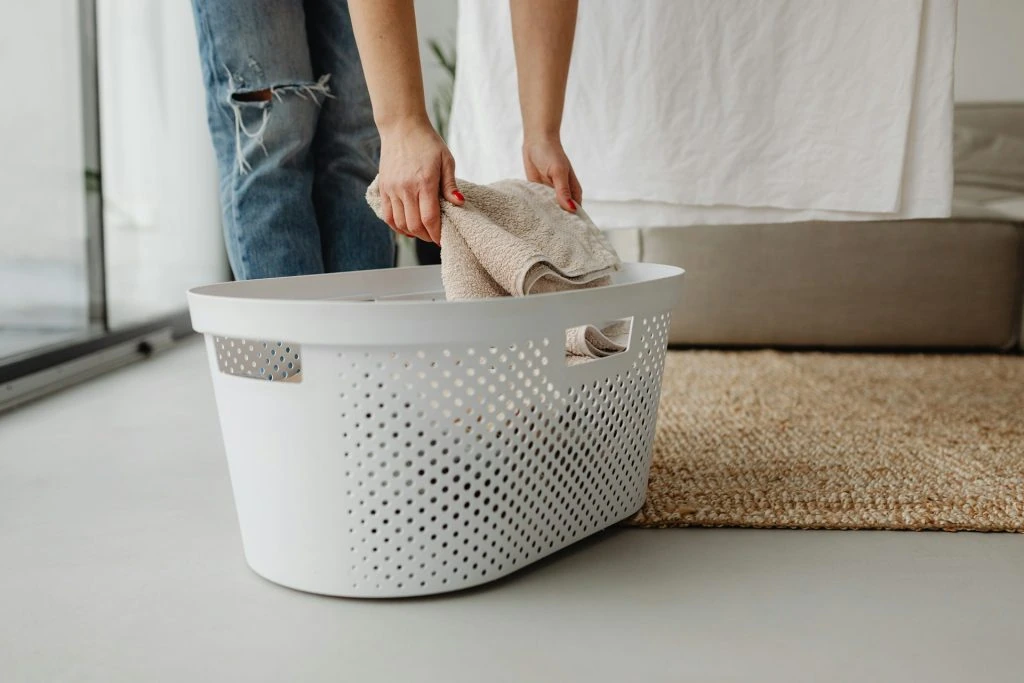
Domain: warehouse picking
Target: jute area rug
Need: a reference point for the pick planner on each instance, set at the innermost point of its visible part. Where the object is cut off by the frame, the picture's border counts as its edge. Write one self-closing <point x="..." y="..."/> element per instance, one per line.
<point x="839" y="441"/>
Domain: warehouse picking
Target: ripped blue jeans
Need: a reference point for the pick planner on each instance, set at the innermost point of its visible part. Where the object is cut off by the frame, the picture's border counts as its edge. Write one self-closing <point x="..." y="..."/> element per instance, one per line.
<point x="293" y="131"/>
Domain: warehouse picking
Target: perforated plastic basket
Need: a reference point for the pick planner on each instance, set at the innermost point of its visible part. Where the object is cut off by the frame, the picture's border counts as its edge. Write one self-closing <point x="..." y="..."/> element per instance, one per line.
<point x="383" y="442"/>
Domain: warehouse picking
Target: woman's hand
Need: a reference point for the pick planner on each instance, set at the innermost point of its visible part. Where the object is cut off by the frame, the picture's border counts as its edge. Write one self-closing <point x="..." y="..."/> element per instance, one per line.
<point x="545" y="162"/>
<point x="542" y="34"/>
<point x="416" y="169"/>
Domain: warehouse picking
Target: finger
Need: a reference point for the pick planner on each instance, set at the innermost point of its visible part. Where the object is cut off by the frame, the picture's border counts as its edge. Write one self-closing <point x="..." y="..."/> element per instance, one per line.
<point x="449" y="188"/>
<point x="430" y="214"/>
<point x="560" y="180"/>
<point x="387" y="213"/>
<point x="575" y="189"/>
<point x="398" y="212"/>
<point x="533" y="174"/>
<point x="413" y="221"/>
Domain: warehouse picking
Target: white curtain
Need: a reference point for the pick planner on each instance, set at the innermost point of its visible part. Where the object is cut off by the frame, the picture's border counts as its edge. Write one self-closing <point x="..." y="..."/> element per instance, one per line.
<point x="161" y="213"/>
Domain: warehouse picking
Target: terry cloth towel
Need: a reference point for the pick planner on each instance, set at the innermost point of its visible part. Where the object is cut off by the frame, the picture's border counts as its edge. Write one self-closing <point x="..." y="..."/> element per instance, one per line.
<point x="511" y="238"/>
<point x="588" y="342"/>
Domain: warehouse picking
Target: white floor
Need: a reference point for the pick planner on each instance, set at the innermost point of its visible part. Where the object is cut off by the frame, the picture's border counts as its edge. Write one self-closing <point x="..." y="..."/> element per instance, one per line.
<point x="120" y="561"/>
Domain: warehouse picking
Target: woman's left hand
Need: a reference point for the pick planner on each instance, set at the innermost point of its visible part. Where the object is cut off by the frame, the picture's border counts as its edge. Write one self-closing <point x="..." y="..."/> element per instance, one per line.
<point x="545" y="162"/>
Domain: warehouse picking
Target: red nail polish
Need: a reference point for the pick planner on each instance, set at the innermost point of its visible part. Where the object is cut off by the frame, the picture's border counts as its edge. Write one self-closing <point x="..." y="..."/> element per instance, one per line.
<point x="572" y="205"/>
<point x="458" y="195"/>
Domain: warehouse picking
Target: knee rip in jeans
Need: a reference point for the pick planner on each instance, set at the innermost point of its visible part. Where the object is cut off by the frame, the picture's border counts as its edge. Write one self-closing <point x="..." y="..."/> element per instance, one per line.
<point x="262" y="98"/>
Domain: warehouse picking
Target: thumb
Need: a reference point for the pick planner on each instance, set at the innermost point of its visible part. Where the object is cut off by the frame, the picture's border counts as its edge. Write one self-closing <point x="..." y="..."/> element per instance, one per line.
<point x="449" y="189"/>
<point x="563" y="192"/>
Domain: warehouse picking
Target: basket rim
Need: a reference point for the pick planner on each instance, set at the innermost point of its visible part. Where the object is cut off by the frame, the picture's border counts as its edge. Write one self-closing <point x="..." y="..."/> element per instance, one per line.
<point x="235" y="290"/>
<point x="227" y="309"/>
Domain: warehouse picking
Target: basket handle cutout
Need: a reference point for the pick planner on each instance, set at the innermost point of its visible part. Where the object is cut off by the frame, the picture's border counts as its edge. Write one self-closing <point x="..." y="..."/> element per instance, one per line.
<point x="275" y="361"/>
<point x="594" y="342"/>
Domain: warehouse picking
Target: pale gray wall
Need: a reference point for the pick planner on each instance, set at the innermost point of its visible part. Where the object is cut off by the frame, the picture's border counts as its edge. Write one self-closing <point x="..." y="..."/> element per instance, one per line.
<point x="990" y="51"/>
<point x="435" y="20"/>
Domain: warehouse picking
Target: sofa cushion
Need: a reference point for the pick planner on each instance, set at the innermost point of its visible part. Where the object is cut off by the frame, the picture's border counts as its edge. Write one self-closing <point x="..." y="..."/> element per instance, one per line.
<point x="942" y="283"/>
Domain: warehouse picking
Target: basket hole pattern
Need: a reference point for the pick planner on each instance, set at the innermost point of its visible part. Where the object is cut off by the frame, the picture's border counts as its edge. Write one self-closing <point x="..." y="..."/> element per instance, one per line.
<point x="463" y="465"/>
<point x="259" y="359"/>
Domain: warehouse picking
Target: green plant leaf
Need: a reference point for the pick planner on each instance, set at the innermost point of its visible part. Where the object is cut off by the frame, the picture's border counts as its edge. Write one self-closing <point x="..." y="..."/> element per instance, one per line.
<point x="446" y="60"/>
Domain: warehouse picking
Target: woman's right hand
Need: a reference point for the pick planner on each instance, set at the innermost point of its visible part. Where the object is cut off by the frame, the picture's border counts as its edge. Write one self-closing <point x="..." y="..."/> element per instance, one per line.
<point x="416" y="169"/>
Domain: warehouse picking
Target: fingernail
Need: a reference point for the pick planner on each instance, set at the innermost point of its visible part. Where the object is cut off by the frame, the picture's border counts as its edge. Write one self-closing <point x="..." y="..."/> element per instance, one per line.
<point x="572" y="204"/>
<point x="458" y="195"/>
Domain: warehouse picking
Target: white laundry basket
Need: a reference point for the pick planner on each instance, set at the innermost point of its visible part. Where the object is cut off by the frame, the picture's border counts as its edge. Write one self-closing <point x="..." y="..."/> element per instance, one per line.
<point x="383" y="442"/>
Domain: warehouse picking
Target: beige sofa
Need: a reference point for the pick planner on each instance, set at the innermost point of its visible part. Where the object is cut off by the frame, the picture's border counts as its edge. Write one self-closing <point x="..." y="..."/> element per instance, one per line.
<point x="952" y="283"/>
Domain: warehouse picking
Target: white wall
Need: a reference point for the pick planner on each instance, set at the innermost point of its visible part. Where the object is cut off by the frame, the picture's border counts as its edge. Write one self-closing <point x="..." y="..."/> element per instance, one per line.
<point x="435" y="20"/>
<point x="990" y="51"/>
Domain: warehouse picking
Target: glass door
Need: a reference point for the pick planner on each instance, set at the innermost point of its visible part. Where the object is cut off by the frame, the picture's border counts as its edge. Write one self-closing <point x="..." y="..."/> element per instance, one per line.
<point x="108" y="188"/>
<point x="44" y="273"/>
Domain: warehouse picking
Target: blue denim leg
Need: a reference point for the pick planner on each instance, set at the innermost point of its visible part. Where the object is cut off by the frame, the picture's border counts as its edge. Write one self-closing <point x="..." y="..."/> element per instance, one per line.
<point x="346" y="147"/>
<point x="249" y="49"/>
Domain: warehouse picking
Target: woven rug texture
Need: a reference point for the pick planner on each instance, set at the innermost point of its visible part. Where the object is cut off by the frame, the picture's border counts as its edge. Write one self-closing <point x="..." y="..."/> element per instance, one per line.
<point x="839" y="441"/>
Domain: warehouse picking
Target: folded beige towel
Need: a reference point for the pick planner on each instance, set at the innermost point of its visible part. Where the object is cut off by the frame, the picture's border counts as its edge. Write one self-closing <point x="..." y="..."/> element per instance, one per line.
<point x="588" y="342"/>
<point x="511" y="238"/>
